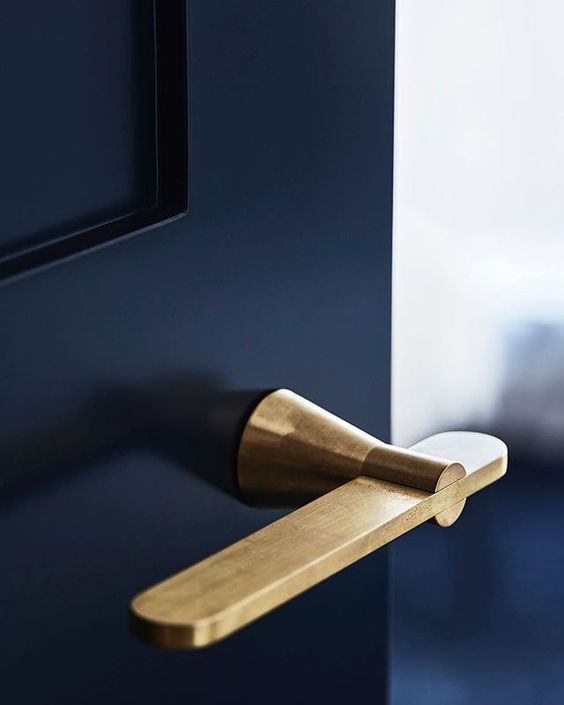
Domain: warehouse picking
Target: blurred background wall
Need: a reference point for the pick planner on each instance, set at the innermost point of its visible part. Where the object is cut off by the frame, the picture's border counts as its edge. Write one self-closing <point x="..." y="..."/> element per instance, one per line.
<point x="479" y="342"/>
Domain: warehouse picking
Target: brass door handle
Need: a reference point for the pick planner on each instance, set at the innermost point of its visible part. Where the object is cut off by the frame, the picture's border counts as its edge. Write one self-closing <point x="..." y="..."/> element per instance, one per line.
<point x="362" y="493"/>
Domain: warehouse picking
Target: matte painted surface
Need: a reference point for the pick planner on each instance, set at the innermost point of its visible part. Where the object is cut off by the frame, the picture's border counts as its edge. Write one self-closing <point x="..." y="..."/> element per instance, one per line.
<point x="78" y="122"/>
<point x="495" y="636"/>
<point x="117" y="411"/>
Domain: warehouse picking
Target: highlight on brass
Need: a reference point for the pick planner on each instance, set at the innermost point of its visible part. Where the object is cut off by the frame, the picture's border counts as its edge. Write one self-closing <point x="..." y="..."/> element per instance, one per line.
<point x="354" y="493"/>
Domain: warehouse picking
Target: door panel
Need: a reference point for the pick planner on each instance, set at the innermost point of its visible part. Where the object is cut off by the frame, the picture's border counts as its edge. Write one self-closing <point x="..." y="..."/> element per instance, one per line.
<point x="126" y="372"/>
<point x="94" y="124"/>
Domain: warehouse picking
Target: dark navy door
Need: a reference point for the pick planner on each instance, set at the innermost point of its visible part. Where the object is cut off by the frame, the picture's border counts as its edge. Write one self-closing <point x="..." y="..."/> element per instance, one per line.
<point x="127" y="369"/>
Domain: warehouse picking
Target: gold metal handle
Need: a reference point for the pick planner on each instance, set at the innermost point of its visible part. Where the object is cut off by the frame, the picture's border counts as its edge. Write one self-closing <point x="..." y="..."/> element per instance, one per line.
<point x="368" y="493"/>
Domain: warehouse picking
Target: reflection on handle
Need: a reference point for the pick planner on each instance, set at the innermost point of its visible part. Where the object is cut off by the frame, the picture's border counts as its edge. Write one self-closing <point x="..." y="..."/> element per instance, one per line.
<point x="235" y="586"/>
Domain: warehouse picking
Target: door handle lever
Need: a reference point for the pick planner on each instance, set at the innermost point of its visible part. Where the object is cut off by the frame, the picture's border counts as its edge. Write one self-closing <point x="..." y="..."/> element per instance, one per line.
<point x="360" y="494"/>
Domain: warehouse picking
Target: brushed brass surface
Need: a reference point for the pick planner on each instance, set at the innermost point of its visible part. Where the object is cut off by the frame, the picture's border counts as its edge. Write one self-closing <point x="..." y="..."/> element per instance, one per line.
<point x="235" y="586"/>
<point x="292" y="451"/>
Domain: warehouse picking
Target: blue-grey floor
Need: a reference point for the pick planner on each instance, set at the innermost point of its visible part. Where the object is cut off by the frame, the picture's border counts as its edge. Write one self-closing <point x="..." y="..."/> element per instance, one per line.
<point x="478" y="614"/>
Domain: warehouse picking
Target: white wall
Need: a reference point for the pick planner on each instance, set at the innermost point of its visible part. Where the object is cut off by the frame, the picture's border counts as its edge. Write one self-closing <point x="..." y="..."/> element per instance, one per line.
<point x="479" y="201"/>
